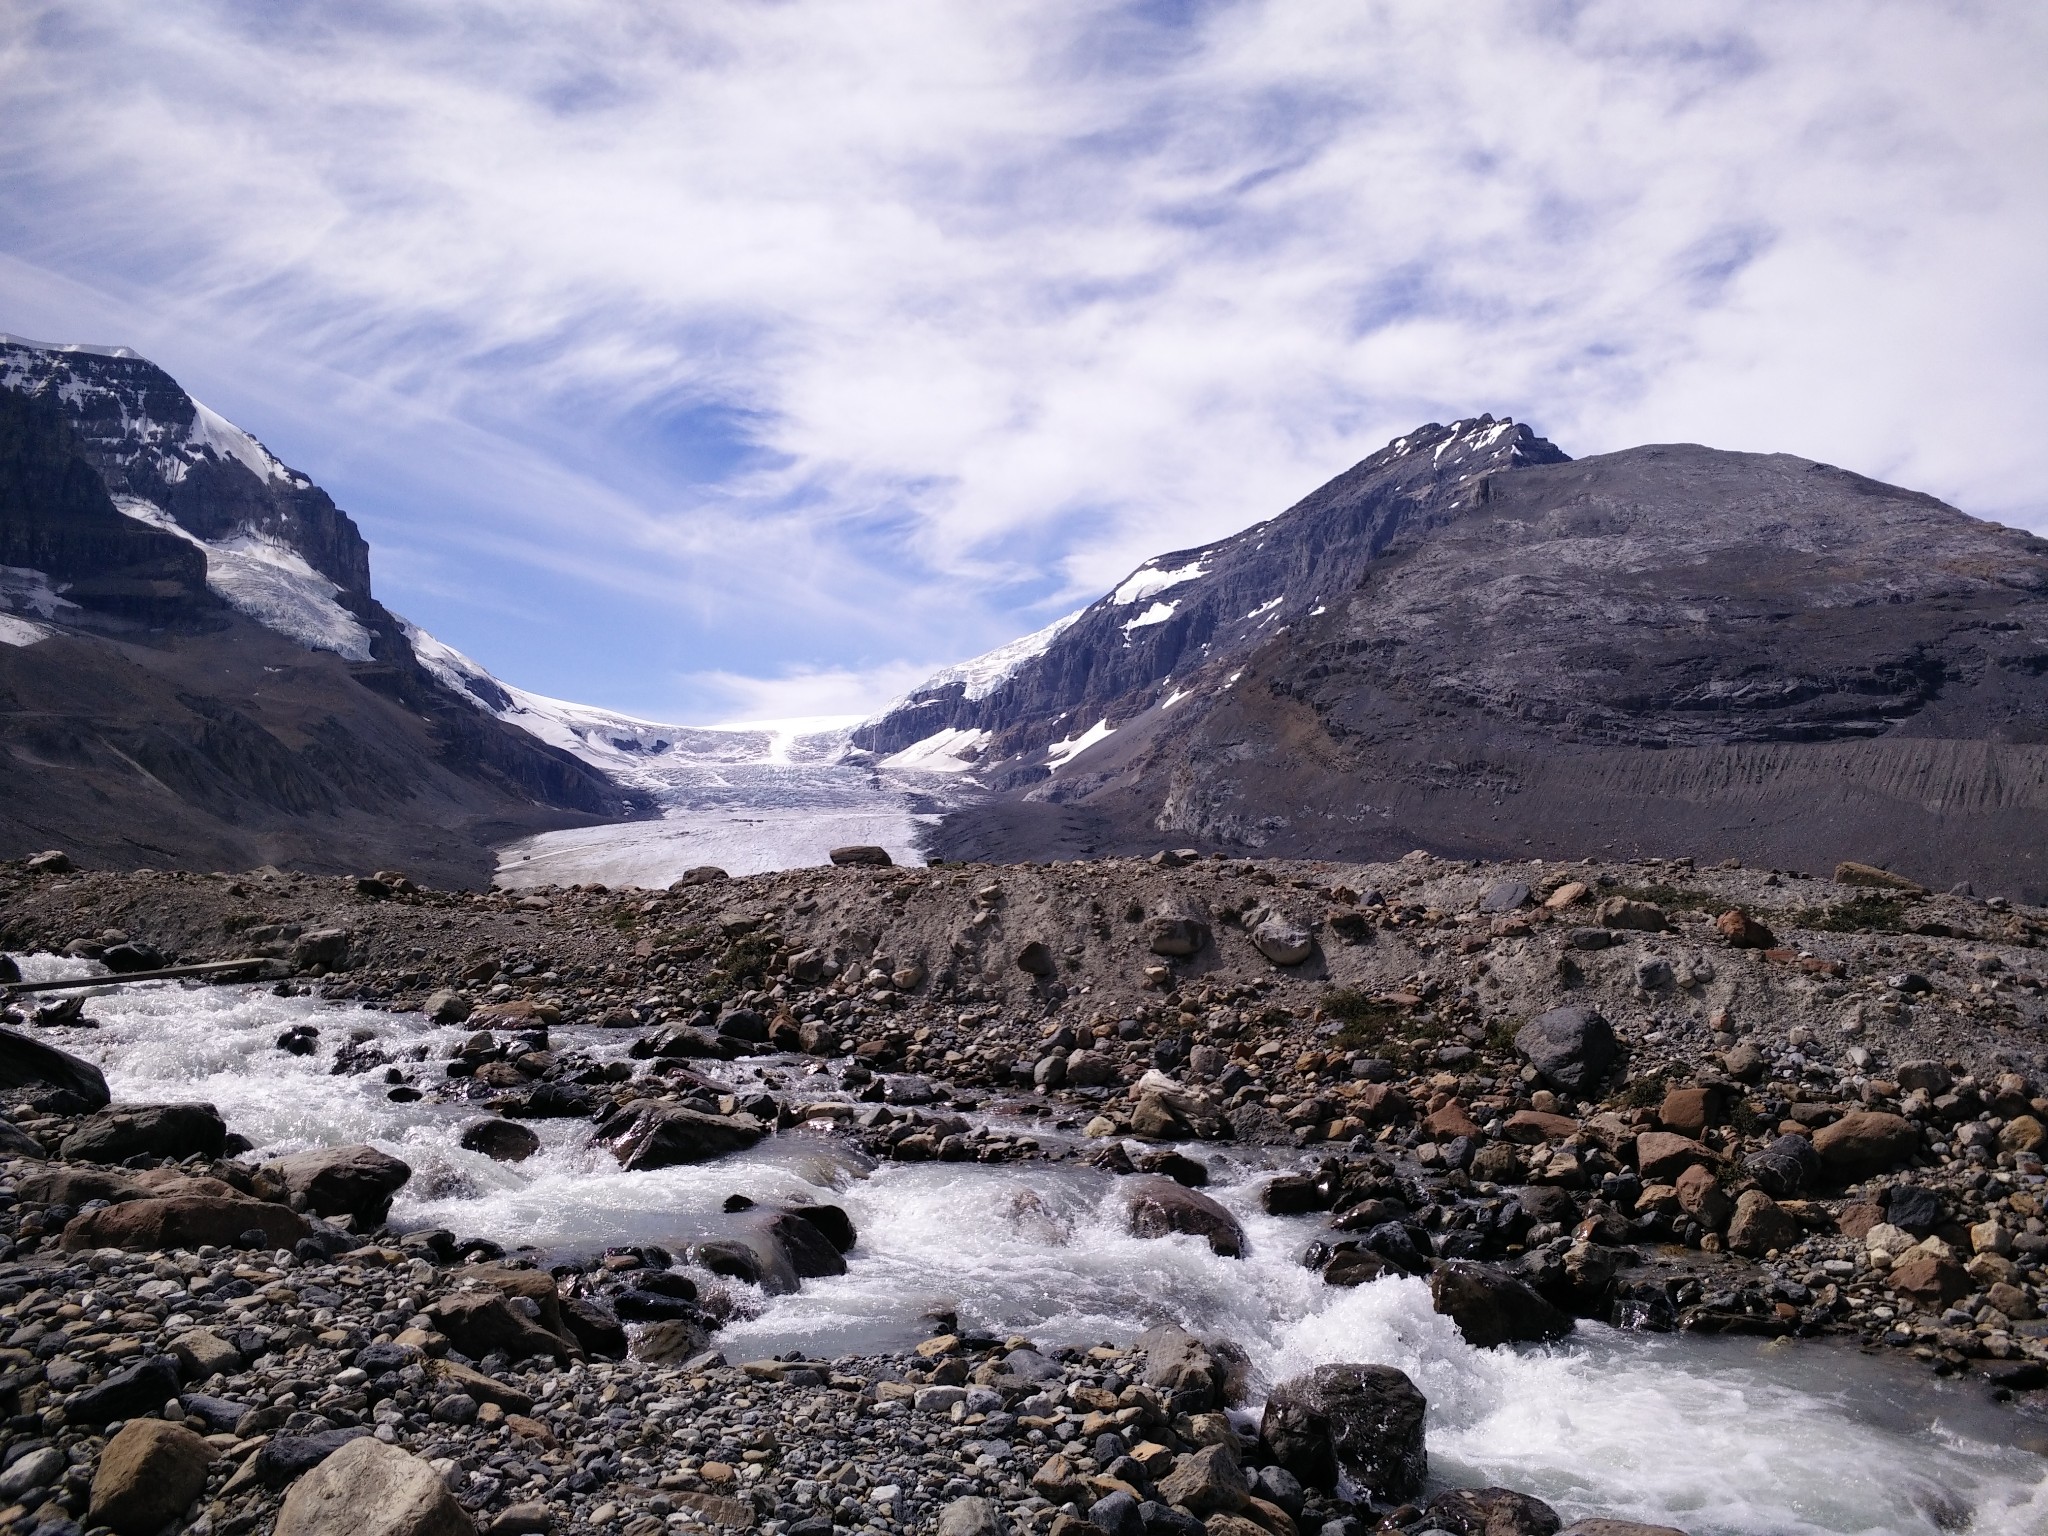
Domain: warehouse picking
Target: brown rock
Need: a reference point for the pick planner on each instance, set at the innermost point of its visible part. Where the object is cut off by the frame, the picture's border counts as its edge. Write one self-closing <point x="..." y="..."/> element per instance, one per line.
<point x="1930" y="1281"/>
<point x="2012" y="1301"/>
<point x="485" y="1389"/>
<point x="1690" y="1111"/>
<point x="1450" y="1122"/>
<point x="1381" y="1104"/>
<point x="1639" y="916"/>
<point x="1855" y="1221"/>
<point x="1849" y="872"/>
<point x="2022" y="1133"/>
<point x="1743" y="931"/>
<point x="183" y="1221"/>
<point x="1530" y="1126"/>
<point x="1663" y="1156"/>
<point x="147" y="1475"/>
<point x="1491" y="1512"/>
<point x="1058" y="1483"/>
<point x="1158" y="1206"/>
<point x="1759" y="1225"/>
<point x="1701" y="1197"/>
<point x="1864" y="1142"/>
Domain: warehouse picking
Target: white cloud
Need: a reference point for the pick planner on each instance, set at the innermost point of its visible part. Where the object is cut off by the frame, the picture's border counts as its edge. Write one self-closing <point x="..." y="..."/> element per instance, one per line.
<point x="1033" y="287"/>
<point x="803" y="693"/>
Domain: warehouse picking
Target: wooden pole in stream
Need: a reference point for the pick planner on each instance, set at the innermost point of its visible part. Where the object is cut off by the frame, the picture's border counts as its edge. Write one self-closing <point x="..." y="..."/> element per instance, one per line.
<point x="209" y="968"/>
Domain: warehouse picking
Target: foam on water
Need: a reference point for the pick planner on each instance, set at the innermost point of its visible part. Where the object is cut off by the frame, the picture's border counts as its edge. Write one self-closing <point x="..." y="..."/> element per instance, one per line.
<point x="1710" y="1435"/>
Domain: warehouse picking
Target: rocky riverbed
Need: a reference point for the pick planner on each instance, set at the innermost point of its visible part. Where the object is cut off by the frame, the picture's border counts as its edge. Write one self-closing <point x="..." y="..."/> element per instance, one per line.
<point x="1474" y="1109"/>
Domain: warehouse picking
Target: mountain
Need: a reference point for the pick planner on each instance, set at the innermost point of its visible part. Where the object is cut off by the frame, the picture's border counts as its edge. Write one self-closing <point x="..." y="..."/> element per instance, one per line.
<point x="195" y="671"/>
<point x="1471" y="643"/>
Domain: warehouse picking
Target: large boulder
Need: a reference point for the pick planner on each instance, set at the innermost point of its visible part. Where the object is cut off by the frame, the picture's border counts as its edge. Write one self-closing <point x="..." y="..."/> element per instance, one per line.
<point x="663" y="1135"/>
<point x="480" y="1321"/>
<point x="1196" y="1375"/>
<point x="1158" y="1207"/>
<point x="861" y="853"/>
<point x="1491" y="1512"/>
<point x="1759" y="1225"/>
<point x="185" y="1221"/>
<point x="1177" y="935"/>
<point x="973" y="1517"/>
<point x="1284" y="940"/>
<point x="503" y="1141"/>
<point x="143" y="1387"/>
<point x="356" y="1181"/>
<point x="1363" y="1419"/>
<point x="147" y="1475"/>
<point x="148" y="1130"/>
<point x="1207" y="1482"/>
<point x="28" y="1063"/>
<point x="1492" y="1308"/>
<point x="1786" y="1166"/>
<point x="1864" y="1142"/>
<point x="368" y="1488"/>
<point x="1571" y="1048"/>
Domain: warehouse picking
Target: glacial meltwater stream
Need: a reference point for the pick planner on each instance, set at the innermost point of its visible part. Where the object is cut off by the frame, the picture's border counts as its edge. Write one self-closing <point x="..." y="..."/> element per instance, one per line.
<point x="1710" y="1435"/>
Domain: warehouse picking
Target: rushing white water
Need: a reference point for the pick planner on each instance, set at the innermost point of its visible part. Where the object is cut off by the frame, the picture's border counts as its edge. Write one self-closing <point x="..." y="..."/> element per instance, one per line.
<point x="1712" y="1436"/>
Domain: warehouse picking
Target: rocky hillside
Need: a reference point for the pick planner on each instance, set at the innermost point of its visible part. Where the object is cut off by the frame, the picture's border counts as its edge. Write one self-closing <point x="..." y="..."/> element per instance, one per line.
<point x="1471" y="644"/>
<point x="195" y="670"/>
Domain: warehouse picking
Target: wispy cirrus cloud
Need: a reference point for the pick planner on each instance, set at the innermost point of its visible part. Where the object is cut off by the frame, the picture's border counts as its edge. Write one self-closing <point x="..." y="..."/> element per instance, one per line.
<point x="801" y="341"/>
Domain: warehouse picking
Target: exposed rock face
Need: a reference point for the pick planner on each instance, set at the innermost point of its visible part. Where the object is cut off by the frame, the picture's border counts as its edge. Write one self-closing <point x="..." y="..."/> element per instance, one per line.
<point x="1465" y="643"/>
<point x="153" y="1130"/>
<point x="288" y="723"/>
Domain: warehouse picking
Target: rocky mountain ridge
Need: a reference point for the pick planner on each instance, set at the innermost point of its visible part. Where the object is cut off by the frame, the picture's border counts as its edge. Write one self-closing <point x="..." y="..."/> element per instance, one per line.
<point x="196" y="668"/>
<point x="1471" y="643"/>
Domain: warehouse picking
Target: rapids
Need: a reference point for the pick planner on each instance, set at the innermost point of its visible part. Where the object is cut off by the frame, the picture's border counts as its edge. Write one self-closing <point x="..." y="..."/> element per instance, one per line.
<point x="1711" y="1435"/>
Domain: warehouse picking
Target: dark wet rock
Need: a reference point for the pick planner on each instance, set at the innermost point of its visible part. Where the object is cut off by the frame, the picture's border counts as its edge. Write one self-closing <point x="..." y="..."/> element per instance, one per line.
<point x="503" y="1141"/>
<point x="663" y="1135"/>
<point x="594" y="1327"/>
<point x="1491" y="1307"/>
<point x="1365" y="1419"/>
<point x="1491" y="1512"/>
<point x="1158" y="1207"/>
<point x="547" y="1101"/>
<point x="481" y="1321"/>
<point x="1786" y="1166"/>
<point x="861" y="853"/>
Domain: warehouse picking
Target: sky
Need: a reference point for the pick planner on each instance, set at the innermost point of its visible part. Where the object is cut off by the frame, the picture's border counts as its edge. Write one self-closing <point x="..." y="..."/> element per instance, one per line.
<point x="753" y="358"/>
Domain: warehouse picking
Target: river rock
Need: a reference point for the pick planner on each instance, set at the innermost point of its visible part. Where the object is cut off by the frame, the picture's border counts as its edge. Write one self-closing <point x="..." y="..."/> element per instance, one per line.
<point x="73" y="1184"/>
<point x="1492" y="1308"/>
<point x="1177" y="1362"/>
<point x="1365" y="1419"/>
<point x="1741" y="931"/>
<point x="503" y="1141"/>
<point x="1284" y="940"/>
<point x="1786" y="1166"/>
<point x="203" y="1353"/>
<point x="811" y="1254"/>
<point x="28" y="1063"/>
<point x="368" y="1488"/>
<point x="143" y="1387"/>
<point x="1206" y="1482"/>
<point x="973" y="1517"/>
<point x="1158" y="1206"/>
<point x="15" y="1142"/>
<point x="664" y="1135"/>
<point x="1759" y="1225"/>
<point x="1571" y="1048"/>
<point x="356" y="1181"/>
<point x="147" y="1475"/>
<point x="1701" y="1197"/>
<point x="185" y="1221"/>
<point x="32" y="1471"/>
<point x="447" y="1006"/>
<point x="148" y="1130"/>
<point x="1491" y="1512"/>
<point x="324" y="949"/>
<point x="478" y="1322"/>
<point x="1864" y="1142"/>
